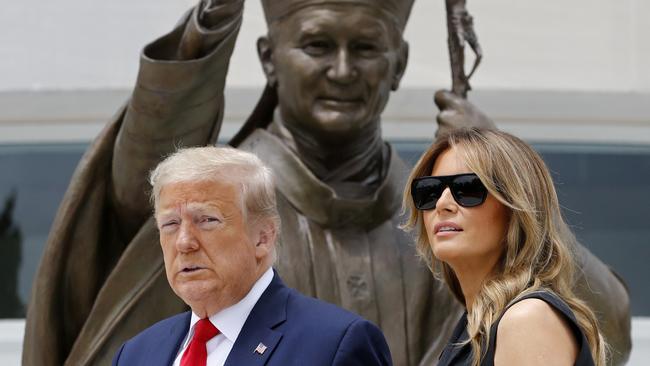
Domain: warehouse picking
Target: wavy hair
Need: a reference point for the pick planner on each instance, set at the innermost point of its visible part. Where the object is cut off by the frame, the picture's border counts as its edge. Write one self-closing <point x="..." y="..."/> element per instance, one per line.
<point x="539" y="245"/>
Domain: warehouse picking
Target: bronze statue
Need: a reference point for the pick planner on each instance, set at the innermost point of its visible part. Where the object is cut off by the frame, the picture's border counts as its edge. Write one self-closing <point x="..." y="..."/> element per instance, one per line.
<point x="330" y="67"/>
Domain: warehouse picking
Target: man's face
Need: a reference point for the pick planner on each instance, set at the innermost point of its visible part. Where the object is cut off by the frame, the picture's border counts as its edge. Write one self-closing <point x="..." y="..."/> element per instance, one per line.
<point x="211" y="257"/>
<point x="334" y="68"/>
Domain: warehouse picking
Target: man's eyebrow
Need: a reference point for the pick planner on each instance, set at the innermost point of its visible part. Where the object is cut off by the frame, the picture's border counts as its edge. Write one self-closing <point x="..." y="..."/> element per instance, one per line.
<point x="195" y="207"/>
<point x="311" y="30"/>
<point x="168" y="210"/>
<point x="314" y="26"/>
<point x="166" y="214"/>
<point x="375" y="30"/>
<point x="371" y="32"/>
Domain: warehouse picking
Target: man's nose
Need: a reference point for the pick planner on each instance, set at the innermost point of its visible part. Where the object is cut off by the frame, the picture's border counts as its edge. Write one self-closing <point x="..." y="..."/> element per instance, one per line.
<point x="186" y="240"/>
<point x="342" y="70"/>
<point x="446" y="202"/>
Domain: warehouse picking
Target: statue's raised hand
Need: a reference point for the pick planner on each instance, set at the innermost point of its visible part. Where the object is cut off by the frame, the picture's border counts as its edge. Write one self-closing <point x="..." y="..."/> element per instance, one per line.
<point x="210" y="21"/>
<point x="211" y="12"/>
<point x="456" y="112"/>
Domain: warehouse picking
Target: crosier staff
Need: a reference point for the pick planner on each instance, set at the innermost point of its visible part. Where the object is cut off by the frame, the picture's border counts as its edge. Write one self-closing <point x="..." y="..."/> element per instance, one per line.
<point x="460" y="29"/>
<point x="455" y="110"/>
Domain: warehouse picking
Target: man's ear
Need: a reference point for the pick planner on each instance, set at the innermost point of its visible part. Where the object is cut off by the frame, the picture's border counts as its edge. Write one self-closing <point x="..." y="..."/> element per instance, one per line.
<point x="265" y="53"/>
<point x="400" y="67"/>
<point x="265" y="239"/>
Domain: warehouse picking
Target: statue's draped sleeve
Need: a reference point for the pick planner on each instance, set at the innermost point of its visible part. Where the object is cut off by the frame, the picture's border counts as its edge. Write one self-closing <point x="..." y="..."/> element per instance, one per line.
<point x="177" y="101"/>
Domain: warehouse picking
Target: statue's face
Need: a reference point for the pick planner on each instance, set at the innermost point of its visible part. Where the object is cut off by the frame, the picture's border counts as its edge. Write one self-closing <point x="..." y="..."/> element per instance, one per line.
<point x="334" y="67"/>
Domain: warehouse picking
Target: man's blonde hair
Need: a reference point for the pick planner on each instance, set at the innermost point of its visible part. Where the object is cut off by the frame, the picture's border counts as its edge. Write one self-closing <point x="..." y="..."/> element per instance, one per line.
<point x="222" y="164"/>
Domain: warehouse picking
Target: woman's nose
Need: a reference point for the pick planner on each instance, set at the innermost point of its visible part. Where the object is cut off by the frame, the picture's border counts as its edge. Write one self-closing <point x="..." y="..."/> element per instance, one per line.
<point x="446" y="202"/>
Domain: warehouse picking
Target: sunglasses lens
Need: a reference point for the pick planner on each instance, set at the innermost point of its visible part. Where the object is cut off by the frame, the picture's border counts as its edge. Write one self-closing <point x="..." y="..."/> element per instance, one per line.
<point x="468" y="190"/>
<point x="425" y="192"/>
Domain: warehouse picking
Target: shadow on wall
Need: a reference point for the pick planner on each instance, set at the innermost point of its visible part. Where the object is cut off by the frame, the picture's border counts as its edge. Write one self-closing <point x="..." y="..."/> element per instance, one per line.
<point x="10" y="259"/>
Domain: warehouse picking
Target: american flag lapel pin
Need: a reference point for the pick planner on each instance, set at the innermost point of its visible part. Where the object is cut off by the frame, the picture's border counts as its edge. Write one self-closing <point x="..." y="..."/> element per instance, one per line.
<point x="260" y="348"/>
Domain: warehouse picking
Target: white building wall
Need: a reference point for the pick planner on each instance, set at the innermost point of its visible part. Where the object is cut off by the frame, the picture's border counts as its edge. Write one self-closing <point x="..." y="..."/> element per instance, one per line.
<point x="553" y="70"/>
<point x="585" y="45"/>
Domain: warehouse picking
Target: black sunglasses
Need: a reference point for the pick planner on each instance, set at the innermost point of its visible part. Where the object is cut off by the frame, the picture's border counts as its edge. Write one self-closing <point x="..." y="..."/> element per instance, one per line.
<point x="467" y="189"/>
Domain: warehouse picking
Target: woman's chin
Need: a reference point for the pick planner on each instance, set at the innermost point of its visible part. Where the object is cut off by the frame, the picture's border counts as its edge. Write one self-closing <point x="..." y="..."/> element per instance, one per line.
<point x="447" y="251"/>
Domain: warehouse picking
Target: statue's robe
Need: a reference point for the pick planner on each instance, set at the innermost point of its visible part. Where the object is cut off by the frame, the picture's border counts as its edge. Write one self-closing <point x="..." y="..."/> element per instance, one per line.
<point x="102" y="280"/>
<point x="351" y="252"/>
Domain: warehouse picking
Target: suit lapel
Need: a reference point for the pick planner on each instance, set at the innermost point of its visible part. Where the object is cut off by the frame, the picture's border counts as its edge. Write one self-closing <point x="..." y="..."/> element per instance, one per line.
<point x="258" y="331"/>
<point x="164" y="351"/>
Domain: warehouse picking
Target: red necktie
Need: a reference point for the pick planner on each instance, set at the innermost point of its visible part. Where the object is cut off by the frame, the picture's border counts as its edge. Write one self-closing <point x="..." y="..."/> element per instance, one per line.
<point x="196" y="353"/>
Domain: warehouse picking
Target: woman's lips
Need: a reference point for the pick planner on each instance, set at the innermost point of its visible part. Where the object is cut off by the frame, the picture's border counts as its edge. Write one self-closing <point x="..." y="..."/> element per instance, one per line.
<point x="446" y="228"/>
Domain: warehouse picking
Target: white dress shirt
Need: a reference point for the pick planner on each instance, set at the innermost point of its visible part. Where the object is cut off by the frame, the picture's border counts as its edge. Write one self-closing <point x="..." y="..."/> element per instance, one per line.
<point x="229" y="321"/>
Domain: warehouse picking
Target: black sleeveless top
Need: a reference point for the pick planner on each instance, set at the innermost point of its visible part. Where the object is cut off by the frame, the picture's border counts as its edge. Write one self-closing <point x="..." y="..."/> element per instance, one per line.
<point x="455" y="354"/>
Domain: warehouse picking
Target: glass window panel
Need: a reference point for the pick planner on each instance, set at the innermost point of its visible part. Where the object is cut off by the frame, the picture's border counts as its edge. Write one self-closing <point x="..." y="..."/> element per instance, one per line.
<point x="604" y="191"/>
<point x="34" y="178"/>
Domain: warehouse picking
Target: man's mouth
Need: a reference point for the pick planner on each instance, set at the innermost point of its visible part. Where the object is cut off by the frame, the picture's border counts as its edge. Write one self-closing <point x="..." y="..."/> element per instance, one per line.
<point x="340" y="100"/>
<point x="190" y="269"/>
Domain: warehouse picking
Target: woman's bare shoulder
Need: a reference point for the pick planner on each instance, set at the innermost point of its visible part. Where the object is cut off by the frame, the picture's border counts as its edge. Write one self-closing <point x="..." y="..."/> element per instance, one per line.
<point x="532" y="332"/>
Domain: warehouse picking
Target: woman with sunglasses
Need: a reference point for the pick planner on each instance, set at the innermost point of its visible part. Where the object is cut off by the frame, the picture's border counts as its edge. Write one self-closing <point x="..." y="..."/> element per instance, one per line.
<point x="488" y="220"/>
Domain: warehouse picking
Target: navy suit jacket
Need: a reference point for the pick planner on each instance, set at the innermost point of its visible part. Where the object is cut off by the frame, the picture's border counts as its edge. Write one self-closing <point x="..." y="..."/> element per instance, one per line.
<point x="296" y="329"/>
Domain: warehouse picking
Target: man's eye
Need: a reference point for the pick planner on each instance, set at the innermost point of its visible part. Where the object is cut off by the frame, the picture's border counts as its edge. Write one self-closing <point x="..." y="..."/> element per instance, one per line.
<point x="366" y="48"/>
<point x="210" y="219"/>
<point x="316" y="47"/>
<point x="168" y="224"/>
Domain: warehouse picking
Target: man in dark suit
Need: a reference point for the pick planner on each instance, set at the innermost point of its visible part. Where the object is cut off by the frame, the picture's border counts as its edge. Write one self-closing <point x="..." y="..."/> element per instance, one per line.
<point x="216" y="214"/>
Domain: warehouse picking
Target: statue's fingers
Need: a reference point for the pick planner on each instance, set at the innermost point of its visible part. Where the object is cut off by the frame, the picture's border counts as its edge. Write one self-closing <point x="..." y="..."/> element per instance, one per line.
<point x="447" y="117"/>
<point x="445" y="100"/>
<point x="445" y="121"/>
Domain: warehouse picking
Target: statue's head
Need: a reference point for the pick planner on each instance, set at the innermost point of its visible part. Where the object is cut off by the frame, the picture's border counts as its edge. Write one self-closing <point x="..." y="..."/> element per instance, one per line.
<point x="334" y="62"/>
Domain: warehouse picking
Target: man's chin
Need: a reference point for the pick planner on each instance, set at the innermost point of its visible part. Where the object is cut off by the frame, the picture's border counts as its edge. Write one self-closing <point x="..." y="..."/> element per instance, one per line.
<point x="339" y="125"/>
<point x="194" y="291"/>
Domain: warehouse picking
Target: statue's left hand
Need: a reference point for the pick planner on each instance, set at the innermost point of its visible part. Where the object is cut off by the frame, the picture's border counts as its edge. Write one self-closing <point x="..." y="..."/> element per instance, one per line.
<point x="212" y="12"/>
<point x="457" y="112"/>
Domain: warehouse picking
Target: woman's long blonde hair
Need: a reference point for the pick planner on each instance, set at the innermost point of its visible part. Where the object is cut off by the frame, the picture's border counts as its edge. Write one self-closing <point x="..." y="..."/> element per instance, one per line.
<point x="539" y="245"/>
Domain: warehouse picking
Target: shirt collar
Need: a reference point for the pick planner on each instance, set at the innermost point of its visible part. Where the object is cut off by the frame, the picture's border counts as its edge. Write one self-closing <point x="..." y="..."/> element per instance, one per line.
<point x="231" y="320"/>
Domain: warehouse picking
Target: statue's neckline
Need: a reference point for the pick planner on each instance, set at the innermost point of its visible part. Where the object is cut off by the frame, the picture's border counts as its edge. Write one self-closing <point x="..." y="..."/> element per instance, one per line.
<point x="317" y="200"/>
